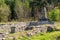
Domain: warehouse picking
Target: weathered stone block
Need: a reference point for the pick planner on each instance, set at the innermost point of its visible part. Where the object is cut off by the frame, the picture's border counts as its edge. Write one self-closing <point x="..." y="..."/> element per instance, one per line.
<point x="49" y="29"/>
<point x="12" y="29"/>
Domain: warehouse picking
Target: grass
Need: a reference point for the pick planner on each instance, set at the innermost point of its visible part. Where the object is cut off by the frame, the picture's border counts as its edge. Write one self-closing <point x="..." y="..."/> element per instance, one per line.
<point x="23" y="20"/>
<point x="45" y="36"/>
<point x="57" y="25"/>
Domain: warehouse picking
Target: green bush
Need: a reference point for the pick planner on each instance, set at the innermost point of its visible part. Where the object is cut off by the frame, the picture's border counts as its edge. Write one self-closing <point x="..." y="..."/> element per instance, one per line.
<point x="54" y="14"/>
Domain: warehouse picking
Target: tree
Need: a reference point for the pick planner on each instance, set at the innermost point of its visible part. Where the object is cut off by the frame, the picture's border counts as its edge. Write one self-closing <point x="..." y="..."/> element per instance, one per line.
<point x="37" y="5"/>
<point x="13" y="15"/>
<point x="4" y="11"/>
<point x="21" y="9"/>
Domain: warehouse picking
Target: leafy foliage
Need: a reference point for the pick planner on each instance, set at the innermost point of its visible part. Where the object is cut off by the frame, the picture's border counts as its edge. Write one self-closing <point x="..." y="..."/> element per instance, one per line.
<point x="54" y="14"/>
<point x="21" y="9"/>
<point x="4" y="11"/>
<point x="28" y="9"/>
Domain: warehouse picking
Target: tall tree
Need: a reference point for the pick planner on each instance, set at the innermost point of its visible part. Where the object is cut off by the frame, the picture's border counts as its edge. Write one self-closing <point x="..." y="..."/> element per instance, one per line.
<point x="11" y="3"/>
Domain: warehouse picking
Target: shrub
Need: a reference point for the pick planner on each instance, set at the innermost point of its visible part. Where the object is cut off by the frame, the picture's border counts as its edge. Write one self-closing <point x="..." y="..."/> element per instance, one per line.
<point x="54" y="14"/>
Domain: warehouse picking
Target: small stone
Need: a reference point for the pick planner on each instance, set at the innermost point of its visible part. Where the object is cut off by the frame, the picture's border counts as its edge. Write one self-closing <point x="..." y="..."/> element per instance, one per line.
<point x="3" y="38"/>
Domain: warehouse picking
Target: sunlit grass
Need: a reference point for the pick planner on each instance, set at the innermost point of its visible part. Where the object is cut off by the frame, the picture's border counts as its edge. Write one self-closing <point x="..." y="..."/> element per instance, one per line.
<point x="45" y="36"/>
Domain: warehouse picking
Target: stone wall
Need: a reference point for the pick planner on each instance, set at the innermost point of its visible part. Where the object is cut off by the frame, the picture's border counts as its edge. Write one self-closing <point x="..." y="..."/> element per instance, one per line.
<point x="21" y="26"/>
<point x="33" y="27"/>
<point x="7" y="27"/>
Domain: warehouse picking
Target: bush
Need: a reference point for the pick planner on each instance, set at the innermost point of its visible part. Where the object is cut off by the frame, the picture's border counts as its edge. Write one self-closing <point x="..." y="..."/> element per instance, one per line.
<point x="54" y="14"/>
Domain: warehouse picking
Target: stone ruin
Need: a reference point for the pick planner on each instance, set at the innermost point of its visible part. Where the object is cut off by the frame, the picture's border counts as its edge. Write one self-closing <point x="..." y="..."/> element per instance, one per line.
<point x="43" y="25"/>
<point x="34" y="27"/>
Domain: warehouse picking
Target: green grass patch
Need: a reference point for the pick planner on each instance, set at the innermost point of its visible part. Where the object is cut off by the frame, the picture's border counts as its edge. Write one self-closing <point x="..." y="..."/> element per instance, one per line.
<point x="46" y="36"/>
